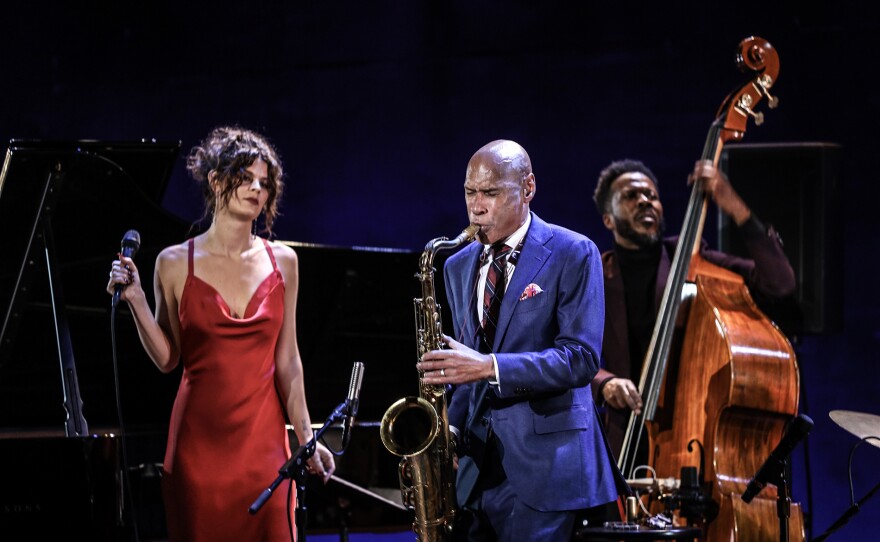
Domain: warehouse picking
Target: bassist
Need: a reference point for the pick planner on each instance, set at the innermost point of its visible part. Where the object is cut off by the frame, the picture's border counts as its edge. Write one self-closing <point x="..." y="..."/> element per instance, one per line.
<point x="636" y="270"/>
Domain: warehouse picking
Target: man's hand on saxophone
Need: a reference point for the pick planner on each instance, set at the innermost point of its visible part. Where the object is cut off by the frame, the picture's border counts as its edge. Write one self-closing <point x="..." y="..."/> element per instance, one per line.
<point x="456" y="364"/>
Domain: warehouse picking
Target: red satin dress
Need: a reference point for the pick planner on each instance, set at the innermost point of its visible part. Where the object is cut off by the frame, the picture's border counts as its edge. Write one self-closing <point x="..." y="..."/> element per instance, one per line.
<point x="227" y="436"/>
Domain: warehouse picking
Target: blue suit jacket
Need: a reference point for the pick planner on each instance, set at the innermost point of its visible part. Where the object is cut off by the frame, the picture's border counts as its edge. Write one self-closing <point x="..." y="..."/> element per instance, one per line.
<point x="547" y="346"/>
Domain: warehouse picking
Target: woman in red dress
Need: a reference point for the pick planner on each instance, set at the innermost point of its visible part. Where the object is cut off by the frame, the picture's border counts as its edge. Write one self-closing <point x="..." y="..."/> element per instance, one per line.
<point x="226" y="310"/>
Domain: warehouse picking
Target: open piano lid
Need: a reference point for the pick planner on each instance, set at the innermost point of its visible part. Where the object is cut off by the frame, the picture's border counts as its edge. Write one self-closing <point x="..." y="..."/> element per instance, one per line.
<point x="97" y="191"/>
<point x="64" y="207"/>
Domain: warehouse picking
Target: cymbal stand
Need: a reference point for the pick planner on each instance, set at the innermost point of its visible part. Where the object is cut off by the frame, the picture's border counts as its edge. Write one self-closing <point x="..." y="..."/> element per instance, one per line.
<point x="852" y="510"/>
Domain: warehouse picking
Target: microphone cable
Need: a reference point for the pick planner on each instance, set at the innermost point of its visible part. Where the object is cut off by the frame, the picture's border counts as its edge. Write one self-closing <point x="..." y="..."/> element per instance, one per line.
<point x="123" y="434"/>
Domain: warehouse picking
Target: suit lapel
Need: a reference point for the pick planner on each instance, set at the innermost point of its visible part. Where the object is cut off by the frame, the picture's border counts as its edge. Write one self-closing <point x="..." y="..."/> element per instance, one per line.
<point x="469" y="294"/>
<point x="533" y="257"/>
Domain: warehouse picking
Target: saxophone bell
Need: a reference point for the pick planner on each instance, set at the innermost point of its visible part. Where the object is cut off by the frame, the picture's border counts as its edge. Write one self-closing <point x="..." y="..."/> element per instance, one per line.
<point x="409" y="426"/>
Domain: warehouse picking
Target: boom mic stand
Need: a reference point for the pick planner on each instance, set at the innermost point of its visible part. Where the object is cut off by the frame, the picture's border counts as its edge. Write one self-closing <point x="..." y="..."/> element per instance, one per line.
<point x="775" y="470"/>
<point x="296" y="467"/>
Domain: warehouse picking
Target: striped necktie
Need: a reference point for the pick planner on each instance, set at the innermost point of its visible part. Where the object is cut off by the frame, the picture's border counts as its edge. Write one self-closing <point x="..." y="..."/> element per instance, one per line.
<point x="494" y="292"/>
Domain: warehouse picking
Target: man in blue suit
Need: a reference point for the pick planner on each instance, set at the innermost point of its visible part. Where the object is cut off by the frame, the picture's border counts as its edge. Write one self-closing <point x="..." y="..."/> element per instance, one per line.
<point x="532" y="453"/>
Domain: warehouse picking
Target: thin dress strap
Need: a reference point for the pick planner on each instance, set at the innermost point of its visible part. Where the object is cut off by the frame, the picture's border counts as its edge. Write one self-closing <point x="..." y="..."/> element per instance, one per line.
<point x="271" y="254"/>
<point x="190" y="255"/>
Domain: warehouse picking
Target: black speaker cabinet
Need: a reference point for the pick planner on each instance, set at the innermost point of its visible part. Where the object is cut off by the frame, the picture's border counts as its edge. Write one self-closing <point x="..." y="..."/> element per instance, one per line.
<point x="797" y="188"/>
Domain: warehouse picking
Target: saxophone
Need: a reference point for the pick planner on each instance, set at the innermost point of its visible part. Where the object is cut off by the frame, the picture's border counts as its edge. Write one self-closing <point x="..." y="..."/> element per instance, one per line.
<point x="417" y="428"/>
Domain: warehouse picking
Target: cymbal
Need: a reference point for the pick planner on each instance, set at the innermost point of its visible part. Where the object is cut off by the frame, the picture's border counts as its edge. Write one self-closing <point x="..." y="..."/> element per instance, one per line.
<point x="860" y="424"/>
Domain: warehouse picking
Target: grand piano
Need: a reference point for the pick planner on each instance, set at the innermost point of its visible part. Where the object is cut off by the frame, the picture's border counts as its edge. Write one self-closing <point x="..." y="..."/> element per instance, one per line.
<point x="83" y="412"/>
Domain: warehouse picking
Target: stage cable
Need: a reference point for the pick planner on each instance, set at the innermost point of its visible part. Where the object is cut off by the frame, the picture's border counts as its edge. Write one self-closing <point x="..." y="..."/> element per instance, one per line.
<point x="123" y="434"/>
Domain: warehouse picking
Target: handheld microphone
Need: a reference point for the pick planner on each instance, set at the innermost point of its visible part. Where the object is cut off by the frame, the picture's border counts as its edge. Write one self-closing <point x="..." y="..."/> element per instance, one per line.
<point x="352" y="401"/>
<point x="131" y="242"/>
<point x="797" y="430"/>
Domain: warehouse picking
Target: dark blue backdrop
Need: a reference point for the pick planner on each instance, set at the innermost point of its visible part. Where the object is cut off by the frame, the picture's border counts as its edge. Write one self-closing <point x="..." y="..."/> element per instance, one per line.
<point x="377" y="106"/>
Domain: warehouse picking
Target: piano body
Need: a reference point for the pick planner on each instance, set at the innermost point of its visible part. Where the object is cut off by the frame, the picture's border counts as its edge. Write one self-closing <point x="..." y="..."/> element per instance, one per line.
<point x="82" y="434"/>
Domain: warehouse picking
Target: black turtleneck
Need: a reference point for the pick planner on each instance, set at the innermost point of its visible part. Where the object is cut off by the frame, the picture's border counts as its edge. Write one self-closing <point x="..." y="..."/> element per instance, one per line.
<point x="638" y="268"/>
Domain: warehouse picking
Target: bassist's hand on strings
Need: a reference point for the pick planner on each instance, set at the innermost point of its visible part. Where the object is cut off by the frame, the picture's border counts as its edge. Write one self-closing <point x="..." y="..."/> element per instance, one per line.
<point x="622" y="393"/>
<point x="717" y="186"/>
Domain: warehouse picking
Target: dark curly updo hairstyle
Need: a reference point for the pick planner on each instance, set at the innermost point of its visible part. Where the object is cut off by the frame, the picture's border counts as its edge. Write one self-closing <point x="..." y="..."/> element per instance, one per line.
<point x="602" y="194"/>
<point x="229" y="151"/>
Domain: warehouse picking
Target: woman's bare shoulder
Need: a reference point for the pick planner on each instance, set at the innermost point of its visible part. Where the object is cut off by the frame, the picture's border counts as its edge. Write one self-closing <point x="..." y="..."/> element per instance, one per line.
<point x="172" y="260"/>
<point x="285" y="255"/>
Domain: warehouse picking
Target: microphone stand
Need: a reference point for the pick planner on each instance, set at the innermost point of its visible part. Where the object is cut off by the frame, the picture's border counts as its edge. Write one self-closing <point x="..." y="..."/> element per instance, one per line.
<point x="783" y="499"/>
<point x="778" y="476"/>
<point x="296" y="468"/>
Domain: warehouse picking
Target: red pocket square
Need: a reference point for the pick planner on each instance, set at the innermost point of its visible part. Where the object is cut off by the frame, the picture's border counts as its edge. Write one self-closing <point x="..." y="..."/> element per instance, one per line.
<point x="531" y="291"/>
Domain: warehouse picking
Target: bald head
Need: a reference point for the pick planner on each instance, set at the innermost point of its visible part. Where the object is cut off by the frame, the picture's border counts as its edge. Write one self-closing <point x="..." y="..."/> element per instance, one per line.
<point x="507" y="158"/>
<point x="499" y="185"/>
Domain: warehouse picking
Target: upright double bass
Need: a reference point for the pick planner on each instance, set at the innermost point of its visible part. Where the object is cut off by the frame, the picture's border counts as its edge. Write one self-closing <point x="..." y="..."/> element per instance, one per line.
<point x="722" y="404"/>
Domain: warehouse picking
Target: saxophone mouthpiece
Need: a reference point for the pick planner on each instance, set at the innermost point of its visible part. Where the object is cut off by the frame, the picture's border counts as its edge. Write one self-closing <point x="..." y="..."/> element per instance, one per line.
<point x="470" y="232"/>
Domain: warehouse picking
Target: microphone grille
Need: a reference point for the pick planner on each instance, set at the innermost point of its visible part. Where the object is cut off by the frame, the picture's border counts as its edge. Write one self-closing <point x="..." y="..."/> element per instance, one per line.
<point x="131" y="239"/>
